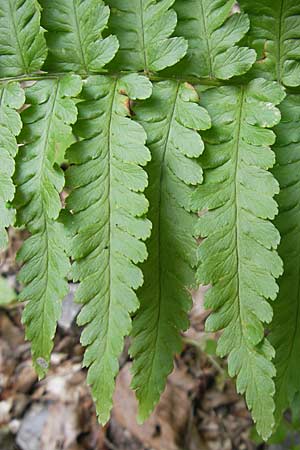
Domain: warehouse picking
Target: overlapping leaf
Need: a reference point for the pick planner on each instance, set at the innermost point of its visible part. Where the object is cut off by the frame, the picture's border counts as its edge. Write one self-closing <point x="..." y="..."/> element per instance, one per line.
<point x="286" y="324"/>
<point x="171" y="119"/>
<point x="11" y="98"/>
<point x="275" y="35"/>
<point x="144" y="28"/>
<point x="39" y="182"/>
<point x="212" y="34"/>
<point x="22" y="44"/>
<point x="74" y="35"/>
<point x="108" y="223"/>
<point x="238" y="255"/>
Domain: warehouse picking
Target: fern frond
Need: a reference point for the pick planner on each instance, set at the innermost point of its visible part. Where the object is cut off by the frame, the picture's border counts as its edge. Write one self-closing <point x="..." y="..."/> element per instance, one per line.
<point x="275" y="35"/>
<point x="108" y="221"/>
<point x="285" y="334"/>
<point x="39" y="182"/>
<point x="171" y="119"/>
<point x="74" y="35"/>
<point x="238" y="255"/>
<point x="212" y="35"/>
<point x="11" y="99"/>
<point x="143" y="28"/>
<point x="22" y="43"/>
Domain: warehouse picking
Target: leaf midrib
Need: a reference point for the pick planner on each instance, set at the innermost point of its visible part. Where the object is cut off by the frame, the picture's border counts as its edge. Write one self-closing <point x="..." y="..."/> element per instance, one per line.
<point x="109" y="157"/>
<point x="11" y="10"/>
<point x="42" y="165"/>
<point x="202" y="19"/>
<point x="240" y="118"/>
<point x="159" y="240"/>
<point x="79" y="38"/>
<point x="280" y="40"/>
<point x="143" y="42"/>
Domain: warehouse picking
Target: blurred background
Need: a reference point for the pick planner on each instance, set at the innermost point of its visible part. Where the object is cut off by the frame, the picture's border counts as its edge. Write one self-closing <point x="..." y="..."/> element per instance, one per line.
<point x="199" y="410"/>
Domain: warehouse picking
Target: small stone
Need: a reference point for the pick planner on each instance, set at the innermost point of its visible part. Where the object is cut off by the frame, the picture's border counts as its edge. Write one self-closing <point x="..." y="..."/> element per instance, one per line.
<point x="14" y="426"/>
<point x="5" y="407"/>
<point x="31" y="429"/>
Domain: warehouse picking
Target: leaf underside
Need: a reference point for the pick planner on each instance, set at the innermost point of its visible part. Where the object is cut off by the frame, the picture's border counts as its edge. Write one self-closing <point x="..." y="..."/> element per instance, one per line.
<point x="74" y="36"/>
<point x="22" y="44"/>
<point x="213" y="35"/>
<point x="275" y="35"/>
<point x="109" y="224"/>
<point x="238" y="254"/>
<point x="11" y="99"/>
<point x="39" y="182"/>
<point x="144" y="29"/>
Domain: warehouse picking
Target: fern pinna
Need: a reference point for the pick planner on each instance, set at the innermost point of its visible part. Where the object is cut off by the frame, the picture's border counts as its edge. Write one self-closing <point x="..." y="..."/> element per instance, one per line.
<point x="178" y="121"/>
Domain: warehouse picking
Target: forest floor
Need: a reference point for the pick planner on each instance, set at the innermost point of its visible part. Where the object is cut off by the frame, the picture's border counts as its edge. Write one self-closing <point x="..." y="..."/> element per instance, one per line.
<point x="199" y="410"/>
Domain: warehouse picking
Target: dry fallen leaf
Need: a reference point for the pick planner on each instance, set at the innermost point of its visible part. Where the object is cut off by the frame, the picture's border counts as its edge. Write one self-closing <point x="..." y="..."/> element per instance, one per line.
<point x="166" y="428"/>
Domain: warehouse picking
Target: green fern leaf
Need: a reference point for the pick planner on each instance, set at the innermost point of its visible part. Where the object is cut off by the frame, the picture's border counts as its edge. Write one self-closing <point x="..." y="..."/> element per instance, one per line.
<point x="11" y="98"/>
<point x="170" y="118"/>
<point x="39" y="182"/>
<point x="285" y="334"/>
<point x="22" y="44"/>
<point x="144" y="28"/>
<point x="238" y="255"/>
<point x="212" y="35"/>
<point x="74" y="35"/>
<point x="108" y="222"/>
<point x="275" y="35"/>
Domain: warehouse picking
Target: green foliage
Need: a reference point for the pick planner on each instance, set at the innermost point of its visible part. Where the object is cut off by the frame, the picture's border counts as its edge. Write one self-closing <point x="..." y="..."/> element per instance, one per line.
<point x="74" y="35"/>
<point x="287" y="431"/>
<point x="212" y="37"/>
<point x="238" y="255"/>
<point x="171" y="119"/>
<point x="109" y="222"/>
<point x="286" y="324"/>
<point x="39" y="182"/>
<point x="11" y="98"/>
<point x="22" y="44"/>
<point x="275" y="35"/>
<point x="143" y="28"/>
<point x="168" y="174"/>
